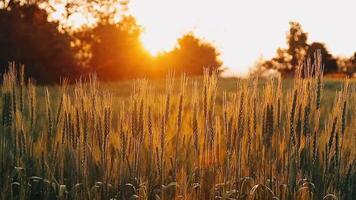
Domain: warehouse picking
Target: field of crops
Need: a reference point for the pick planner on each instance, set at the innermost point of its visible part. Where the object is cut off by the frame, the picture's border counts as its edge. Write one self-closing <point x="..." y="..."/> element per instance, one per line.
<point x="183" y="138"/>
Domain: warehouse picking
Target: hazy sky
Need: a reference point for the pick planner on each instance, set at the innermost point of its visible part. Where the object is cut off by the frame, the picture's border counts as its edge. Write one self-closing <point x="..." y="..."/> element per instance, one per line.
<point x="245" y="30"/>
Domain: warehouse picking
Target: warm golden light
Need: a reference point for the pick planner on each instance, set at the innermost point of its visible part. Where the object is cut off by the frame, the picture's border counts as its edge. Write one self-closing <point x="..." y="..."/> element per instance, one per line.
<point x="154" y="46"/>
<point x="243" y="31"/>
<point x="75" y="20"/>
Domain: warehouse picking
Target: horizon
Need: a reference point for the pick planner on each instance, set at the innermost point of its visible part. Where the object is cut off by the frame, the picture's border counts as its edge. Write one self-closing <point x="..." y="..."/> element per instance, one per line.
<point x="240" y="41"/>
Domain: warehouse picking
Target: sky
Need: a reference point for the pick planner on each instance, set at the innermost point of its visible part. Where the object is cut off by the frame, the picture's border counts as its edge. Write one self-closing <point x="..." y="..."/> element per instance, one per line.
<point x="246" y="30"/>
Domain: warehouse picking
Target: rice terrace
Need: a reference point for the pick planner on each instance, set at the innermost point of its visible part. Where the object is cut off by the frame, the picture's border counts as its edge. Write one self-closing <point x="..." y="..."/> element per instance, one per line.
<point x="97" y="104"/>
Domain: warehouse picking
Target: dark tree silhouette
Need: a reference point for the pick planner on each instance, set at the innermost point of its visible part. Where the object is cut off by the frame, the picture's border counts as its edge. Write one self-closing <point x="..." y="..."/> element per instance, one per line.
<point x="351" y="68"/>
<point x="286" y="60"/>
<point x="192" y="56"/>
<point x="111" y="49"/>
<point x="330" y="63"/>
<point x="28" y="38"/>
<point x="297" y="44"/>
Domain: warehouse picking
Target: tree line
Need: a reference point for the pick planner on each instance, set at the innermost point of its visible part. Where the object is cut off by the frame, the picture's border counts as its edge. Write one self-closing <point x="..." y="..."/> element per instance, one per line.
<point x="298" y="51"/>
<point x="111" y="49"/>
<point x="50" y="50"/>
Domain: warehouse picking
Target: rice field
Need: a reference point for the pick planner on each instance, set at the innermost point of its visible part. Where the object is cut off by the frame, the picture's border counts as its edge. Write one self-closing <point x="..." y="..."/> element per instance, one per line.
<point x="182" y="138"/>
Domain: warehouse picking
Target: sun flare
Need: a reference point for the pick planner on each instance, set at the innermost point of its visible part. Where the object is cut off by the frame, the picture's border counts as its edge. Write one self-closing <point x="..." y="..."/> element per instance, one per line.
<point x="154" y="45"/>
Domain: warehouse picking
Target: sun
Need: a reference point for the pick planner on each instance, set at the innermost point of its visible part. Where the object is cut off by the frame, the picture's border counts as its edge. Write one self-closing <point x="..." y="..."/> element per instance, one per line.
<point x="153" y="47"/>
<point x="156" y="42"/>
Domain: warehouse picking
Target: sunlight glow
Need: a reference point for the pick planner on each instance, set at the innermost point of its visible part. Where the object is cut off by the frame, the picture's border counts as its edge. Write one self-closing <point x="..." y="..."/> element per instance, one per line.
<point x="155" y="46"/>
<point x="244" y="31"/>
<point x="75" y="20"/>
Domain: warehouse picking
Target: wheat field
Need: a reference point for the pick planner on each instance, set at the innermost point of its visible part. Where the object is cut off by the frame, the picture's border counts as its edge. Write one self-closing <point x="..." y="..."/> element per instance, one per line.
<point x="183" y="138"/>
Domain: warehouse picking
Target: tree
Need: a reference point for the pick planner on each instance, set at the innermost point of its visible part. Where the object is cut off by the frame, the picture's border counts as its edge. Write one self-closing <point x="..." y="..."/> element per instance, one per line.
<point x="117" y="51"/>
<point x="192" y="56"/>
<point x="353" y="65"/>
<point x="287" y="60"/>
<point x="106" y="11"/>
<point x="330" y="63"/>
<point x="110" y="48"/>
<point x="347" y="65"/>
<point x="297" y="44"/>
<point x="28" y="38"/>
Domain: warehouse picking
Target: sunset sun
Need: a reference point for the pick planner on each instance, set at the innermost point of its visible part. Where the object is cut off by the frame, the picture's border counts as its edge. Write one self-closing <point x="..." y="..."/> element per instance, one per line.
<point x="156" y="44"/>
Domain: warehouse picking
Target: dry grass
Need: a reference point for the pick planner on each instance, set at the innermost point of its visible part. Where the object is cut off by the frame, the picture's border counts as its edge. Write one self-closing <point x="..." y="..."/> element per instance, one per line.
<point x="261" y="141"/>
